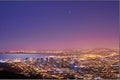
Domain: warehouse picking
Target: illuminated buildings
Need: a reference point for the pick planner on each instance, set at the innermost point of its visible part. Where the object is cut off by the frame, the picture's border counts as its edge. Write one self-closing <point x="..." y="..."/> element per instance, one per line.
<point x="88" y="65"/>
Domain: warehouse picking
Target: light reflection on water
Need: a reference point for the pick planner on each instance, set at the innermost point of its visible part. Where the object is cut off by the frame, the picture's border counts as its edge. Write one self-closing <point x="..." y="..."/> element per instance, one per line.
<point x="22" y="56"/>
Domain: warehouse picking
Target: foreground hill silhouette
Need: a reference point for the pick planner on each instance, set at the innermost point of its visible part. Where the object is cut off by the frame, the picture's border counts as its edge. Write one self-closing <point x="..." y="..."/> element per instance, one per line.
<point x="6" y="73"/>
<point x="10" y="75"/>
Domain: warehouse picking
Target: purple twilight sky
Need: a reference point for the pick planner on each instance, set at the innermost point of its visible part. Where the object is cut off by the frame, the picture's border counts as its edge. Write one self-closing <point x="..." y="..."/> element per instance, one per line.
<point x="58" y="25"/>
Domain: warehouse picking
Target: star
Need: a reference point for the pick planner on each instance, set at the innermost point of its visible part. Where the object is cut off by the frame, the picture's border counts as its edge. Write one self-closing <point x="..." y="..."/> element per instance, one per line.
<point x="69" y="12"/>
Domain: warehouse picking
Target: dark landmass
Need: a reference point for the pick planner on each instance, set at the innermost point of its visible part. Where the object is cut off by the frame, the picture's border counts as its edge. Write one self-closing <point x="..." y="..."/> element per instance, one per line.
<point x="6" y="72"/>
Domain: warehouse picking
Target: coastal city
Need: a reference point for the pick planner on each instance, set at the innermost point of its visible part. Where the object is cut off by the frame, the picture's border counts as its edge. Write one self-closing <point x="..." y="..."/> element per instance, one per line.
<point x="71" y="39"/>
<point x="94" y="64"/>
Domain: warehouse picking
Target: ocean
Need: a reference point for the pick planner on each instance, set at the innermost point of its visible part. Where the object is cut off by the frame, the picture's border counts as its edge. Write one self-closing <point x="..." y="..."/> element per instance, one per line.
<point x="23" y="56"/>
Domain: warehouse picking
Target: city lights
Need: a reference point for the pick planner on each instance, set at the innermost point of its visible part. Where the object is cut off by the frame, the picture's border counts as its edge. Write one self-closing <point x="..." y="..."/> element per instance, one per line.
<point x="69" y="65"/>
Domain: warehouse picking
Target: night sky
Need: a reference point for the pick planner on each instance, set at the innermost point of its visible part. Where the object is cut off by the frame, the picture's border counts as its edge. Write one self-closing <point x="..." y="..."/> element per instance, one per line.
<point x="58" y="25"/>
